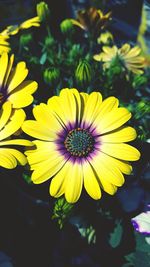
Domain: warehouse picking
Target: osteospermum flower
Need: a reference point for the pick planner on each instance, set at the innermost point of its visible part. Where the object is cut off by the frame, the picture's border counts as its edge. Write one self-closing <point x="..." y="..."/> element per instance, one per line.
<point x="4" y="44"/>
<point x="14" y="29"/>
<point x="141" y="222"/>
<point x="129" y="57"/>
<point x="13" y="86"/>
<point x="92" y="20"/>
<point x="80" y="143"/>
<point x="10" y="122"/>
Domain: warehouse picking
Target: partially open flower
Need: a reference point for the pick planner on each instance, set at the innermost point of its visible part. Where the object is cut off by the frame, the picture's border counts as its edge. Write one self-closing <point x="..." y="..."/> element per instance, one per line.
<point x="128" y="57"/>
<point x="13" y="86"/>
<point x="10" y="122"/>
<point x="14" y="29"/>
<point x="92" y="20"/>
<point x="81" y="143"/>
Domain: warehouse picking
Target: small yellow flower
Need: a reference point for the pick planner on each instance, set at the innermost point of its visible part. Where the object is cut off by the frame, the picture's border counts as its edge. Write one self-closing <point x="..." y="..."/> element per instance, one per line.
<point x="14" y="29"/>
<point x="10" y="121"/>
<point x="4" y="44"/>
<point x="13" y="86"/>
<point x="81" y="143"/>
<point x="105" y="38"/>
<point x="92" y="20"/>
<point x="130" y="58"/>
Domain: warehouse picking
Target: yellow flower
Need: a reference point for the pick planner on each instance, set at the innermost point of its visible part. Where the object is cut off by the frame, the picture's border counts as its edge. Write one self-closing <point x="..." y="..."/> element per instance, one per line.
<point x="92" y="20"/>
<point x="80" y="144"/>
<point x="14" y="29"/>
<point x="13" y="86"/>
<point x="129" y="57"/>
<point x="10" y="121"/>
<point x="105" y="38"/>
<point x="4" y="44"/>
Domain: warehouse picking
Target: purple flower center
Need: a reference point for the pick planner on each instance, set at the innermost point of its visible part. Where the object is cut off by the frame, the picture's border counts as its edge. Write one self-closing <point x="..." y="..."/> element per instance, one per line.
<point x="79" y="142"/>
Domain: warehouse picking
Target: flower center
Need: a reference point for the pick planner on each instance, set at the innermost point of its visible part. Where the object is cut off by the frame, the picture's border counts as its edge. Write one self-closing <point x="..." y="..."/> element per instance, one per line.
<point x="79" y="142"/>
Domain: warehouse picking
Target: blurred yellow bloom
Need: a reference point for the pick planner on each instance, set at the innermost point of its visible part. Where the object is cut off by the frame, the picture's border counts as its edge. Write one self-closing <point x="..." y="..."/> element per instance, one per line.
<point x="14" y="29"/>
<point x="13" y="86"/>
<point x="105" y="38"/>
<point x="4" y="44"/>
<point x="80" y="144"/>
<point x="130" y="58"/>
<point x="92" y="20"/>
<point x="11" y="121"/>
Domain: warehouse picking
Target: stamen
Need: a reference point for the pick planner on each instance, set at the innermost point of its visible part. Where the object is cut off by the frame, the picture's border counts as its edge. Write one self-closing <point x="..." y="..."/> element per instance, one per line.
<point x="79" y="142"/>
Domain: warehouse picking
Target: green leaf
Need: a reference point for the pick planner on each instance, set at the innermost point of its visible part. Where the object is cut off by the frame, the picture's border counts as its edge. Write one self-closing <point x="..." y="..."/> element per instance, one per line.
<point x="116" y="235"/>
<point x="43" y="58"/>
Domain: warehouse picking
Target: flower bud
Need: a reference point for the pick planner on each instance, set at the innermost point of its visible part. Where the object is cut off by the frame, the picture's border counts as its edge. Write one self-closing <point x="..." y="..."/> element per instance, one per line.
<point x="25" y="39"/>
<point x="51" y="76"/>
<point x="43" y="11"/>
<point x="66" y="26"/>
<point x="83" y="73"/>
<point x="62" y="210"/>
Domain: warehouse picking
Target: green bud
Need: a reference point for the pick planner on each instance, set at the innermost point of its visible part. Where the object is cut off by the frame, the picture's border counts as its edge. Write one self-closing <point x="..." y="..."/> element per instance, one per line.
<point x="62" y="210"/>
<point x="49" y="41"/>
<point x="75" y="52"/>
<point x="66" y="26"/>
<point x="43" y="11"/>
<point x="83" y="73"/>
<point x="25" y="39"/>
<point x="51" y="76"/>
<point x="139" y="80"/>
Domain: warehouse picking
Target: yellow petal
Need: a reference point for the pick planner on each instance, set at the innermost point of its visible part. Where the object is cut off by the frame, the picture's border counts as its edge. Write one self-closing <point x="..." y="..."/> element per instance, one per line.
<point x="13" y="125"/>
<point x="68" y="101"/>
<point x="110" y="50"/>
<point x="77" y="23"/>
<point x="106" y="169"/>
<point x="3" y="67"/>
<point x="6" y="159"/>
<point x="38" y="130"/>
<point x="58" y="183"/>
<point x="92" y="107"/>
<point x="98" y="57"/>
<point x="35" y="21"/>
<point x="124" y="49"/>
<point x="6" y="112"/>
<point x="90" y="181"/>
<point x="9" y="67"/>
<point x="21" y="96"/>
<point x="74" y="182"/>
<point x="105" y="184"/>
<point x="108" y="105"/>
<point x="41" y="154"/>
<point x="121" y="151"/>
<point x="17" y="76"/>
<point x="125" y="134"/>
<point x="111" y="120"/>
<point x="21" y="159"/>
<point x="44" y="116"/>
<point x="47" y="169"/>
<point x="135" y="51"/>
<point x="20" y="142"/>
